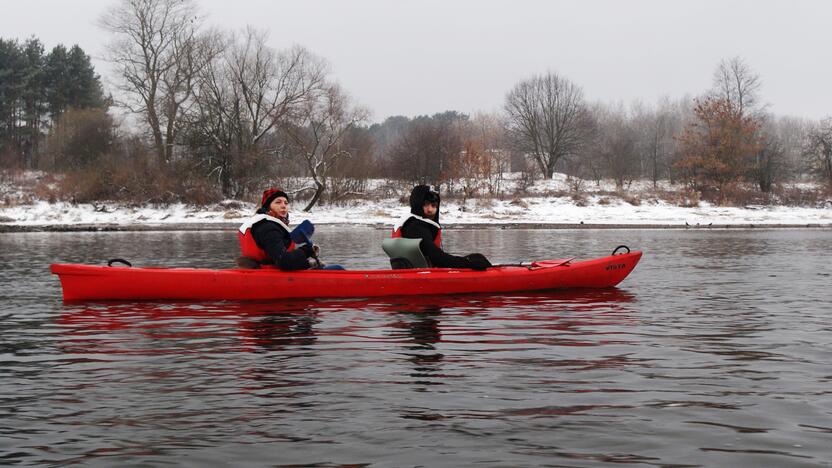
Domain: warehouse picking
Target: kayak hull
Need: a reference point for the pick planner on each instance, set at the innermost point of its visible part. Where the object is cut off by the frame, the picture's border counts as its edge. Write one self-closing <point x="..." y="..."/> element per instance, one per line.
<point x="91" y="283"/>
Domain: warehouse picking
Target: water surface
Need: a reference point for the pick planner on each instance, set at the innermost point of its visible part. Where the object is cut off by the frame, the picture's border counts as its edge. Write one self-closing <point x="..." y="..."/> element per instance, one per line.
<point x="716" y="351"/>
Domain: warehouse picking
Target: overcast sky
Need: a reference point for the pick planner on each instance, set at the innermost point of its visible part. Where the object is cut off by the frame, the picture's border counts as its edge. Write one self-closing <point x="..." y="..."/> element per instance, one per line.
<point x="422" y="57"/>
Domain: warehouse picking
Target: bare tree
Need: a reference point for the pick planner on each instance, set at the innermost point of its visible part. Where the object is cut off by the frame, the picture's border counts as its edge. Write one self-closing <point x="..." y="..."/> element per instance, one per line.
<point x="735" y="82"/>
<point x="547" y="119"/>
<point x="317" y="131"/>
<point x="768" y="166"/>
<point x="486" y="156"/>
<point x="818" y="151"/>
<point x="655" y="127"/>
<point x="244" y="94"/>
<point x="424" y="152"/>
<point x="156" y="56"/>
<point x="614" y="151"/>
<point x="215" y="119"/>
<point x="270" y="84"/>
<point x="792" y="133"/>
<point x="348" y="177"/>
<point x="385" y="136"/>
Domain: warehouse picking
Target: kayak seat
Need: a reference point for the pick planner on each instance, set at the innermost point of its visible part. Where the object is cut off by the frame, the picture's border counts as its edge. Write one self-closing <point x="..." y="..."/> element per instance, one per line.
<point x="404" y="253"/>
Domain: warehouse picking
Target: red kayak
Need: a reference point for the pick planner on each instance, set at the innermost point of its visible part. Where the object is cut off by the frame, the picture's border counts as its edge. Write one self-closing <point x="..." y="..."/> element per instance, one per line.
<point x="87" y="283"/>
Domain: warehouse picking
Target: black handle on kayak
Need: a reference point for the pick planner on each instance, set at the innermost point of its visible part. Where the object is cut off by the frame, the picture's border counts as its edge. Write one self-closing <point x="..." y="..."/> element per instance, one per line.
<point x="118" y="260"/>
<point x="621" y="247"/>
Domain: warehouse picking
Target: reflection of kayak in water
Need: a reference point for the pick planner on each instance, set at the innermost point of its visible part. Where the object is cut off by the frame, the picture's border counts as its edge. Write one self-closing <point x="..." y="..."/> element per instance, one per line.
<point x="148" y="328"/>
<point x="86" y="282"/>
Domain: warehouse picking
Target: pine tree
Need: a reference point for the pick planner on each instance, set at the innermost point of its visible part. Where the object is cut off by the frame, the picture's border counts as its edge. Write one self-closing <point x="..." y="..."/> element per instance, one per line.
<point x="11" y="86"/>
<point x="36" y="88"/>
<point x="72" y="82"/>
<point x="33" y="100"/>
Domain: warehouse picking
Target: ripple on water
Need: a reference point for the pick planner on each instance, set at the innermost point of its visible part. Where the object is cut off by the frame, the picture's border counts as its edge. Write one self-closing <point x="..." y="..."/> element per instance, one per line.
<point x="714" y="352"/>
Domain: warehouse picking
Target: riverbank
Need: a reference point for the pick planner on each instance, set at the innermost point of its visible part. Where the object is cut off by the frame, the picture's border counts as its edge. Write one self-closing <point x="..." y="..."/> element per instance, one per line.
<point x="4" y="228"/>
<point x="546" y="204"/>
<point x="530" y="212"/>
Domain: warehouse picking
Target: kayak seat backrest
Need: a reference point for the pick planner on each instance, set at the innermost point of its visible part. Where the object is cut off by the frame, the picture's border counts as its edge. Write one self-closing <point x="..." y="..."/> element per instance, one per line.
<point x="404" y="253"/>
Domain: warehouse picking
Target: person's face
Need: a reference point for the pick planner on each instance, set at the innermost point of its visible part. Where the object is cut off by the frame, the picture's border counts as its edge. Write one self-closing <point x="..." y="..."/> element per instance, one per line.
<point x="279" y="207"/>
<point x="429" y="209"/>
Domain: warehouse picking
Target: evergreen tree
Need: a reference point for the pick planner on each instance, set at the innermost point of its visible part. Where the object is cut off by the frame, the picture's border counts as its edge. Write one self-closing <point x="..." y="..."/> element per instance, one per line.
<point x="36" y="88"/>
<point x="71" y="81"/>
<point x="11" y="85"/>
<point x="58" y="82"/>
<point x="86" y="91"/>
<point x="33" y="100"/>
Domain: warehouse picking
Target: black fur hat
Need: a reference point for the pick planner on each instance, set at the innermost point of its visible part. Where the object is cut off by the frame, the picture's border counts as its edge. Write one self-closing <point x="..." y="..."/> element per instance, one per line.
<point x="419" y="196"/>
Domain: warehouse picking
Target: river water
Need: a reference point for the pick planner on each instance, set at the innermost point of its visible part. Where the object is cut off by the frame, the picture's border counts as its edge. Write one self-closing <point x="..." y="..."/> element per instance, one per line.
<point x="716" y="351"/>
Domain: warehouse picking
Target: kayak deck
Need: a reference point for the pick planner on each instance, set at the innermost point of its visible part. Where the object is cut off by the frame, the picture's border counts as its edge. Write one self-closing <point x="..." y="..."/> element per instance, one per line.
<point x="87" y="282"/>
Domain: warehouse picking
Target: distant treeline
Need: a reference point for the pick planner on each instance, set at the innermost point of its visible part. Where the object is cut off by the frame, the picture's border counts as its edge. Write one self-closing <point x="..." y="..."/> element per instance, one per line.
<point x="214" y="114"/>
<point x="36" y="90"/>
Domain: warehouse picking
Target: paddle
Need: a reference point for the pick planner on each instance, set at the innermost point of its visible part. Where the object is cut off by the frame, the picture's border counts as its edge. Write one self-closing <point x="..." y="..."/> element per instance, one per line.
<point x="538" y="264"/>
<point x="558" y="262"/>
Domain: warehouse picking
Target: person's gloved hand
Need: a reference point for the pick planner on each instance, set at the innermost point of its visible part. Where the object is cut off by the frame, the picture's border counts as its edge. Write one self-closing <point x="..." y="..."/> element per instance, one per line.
<point x="478" y="261"/>
<point x="308" y="250"/>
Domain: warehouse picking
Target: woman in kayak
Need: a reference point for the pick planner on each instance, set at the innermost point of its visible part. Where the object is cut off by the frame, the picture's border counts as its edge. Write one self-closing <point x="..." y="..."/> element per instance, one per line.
<point x="423" y="223"/>
<point x="264" y="238"/>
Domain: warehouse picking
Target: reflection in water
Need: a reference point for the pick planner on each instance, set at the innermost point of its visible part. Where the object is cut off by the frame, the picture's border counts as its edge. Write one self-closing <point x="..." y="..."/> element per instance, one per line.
<point x="259" y="327"/>
<point x="275" y="332"/>
<point x="540" y="318"/>
<point x="186" y="328"/>
<point x="421" y="326"/>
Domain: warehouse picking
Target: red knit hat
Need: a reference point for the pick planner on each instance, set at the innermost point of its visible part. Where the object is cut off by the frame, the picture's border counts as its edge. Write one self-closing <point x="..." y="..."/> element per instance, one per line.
<point x="270" y="194"/>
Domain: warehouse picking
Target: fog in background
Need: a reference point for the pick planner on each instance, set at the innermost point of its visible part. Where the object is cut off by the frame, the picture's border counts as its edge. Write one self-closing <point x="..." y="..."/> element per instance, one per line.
<point x="423" y="57"/>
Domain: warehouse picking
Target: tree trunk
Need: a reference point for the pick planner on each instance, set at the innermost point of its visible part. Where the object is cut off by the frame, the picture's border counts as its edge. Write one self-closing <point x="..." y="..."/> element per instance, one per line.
<point x="541" y="164"/>
<point x="158" y="141"/>
<point x="225" y="178"/>
<point x="318" y="192"/>
<point x="170" y="137"/>
<point x="655" y="167"/>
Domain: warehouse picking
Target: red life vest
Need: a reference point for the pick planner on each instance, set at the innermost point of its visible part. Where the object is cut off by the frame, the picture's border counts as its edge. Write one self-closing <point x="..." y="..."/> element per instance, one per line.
<point x="248" y="247"/>
<point x="397" y="228"/>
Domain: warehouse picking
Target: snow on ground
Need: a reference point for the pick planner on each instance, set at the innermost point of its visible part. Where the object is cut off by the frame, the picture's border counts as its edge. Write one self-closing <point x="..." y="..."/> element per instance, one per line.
<point x="531" y="210"/>
<point x="536" y="208"/>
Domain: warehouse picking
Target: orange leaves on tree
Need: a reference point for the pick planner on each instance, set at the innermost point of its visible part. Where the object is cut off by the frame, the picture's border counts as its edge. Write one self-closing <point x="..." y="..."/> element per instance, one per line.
<point x="719" y="147"/>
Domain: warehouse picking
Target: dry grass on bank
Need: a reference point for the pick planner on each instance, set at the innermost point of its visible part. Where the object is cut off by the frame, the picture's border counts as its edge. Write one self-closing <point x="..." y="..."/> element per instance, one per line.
<point x="137" y="183"/>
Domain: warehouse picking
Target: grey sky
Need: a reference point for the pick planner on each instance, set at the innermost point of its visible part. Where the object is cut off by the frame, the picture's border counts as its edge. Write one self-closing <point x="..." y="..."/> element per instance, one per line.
<point x="421" y="57"/>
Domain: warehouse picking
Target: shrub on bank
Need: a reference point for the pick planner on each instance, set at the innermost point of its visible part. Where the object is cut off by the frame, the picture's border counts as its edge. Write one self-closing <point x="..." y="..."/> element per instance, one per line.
<point x="137" y="182"/>
<point x="140" y="181"/>
<point x="798" y="196"/>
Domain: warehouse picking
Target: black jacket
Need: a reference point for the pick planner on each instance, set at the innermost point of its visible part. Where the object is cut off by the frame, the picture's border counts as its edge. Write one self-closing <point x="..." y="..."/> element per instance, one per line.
<point x="417" y="229"/>
<point x="275" y="240"/>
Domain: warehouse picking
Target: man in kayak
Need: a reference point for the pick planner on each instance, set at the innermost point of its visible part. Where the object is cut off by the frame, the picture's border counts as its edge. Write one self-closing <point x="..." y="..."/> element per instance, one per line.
<point x="423" y="223"/>
<point x="265" y="237"/>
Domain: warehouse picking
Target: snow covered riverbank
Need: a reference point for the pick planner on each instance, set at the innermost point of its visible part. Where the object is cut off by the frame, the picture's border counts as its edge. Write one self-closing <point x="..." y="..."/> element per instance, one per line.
<point x="545" y="202"/>
<point x="526" y="211"/>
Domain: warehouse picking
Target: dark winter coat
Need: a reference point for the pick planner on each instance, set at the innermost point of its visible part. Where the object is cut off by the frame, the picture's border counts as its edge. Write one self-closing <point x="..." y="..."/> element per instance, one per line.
<point x="273" y="239"/>
<point x="417" y="229"/>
